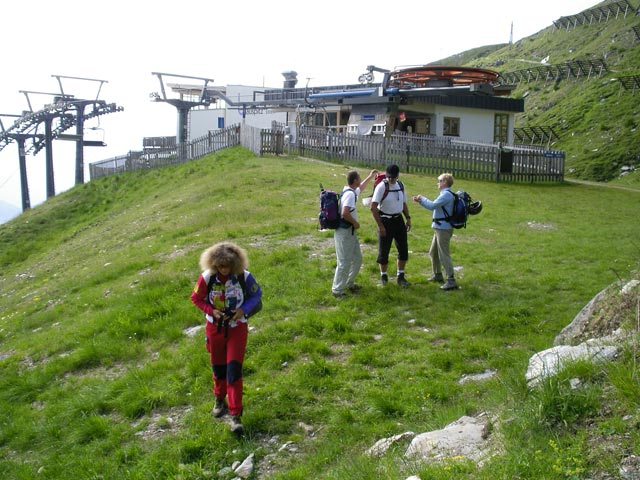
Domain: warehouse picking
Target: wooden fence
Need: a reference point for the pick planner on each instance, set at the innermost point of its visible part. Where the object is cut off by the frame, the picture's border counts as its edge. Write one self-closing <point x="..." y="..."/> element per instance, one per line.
<point x="435" y="155"/>
<point x="173" y="155"/>
<point x="264" y="141"/>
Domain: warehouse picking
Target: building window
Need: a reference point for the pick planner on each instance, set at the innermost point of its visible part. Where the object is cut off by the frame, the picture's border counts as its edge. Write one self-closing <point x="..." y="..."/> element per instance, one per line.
<point x="315" y="119"/>
<point x="379" y="128"/>
<point x="221" y="122"/>
<point x="501" y="128"/>
<point x="423" y="126"/>
<point x="451" y="126"/>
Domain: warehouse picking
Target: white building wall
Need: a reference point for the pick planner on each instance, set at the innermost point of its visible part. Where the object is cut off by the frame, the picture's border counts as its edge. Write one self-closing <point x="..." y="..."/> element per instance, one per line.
<point x="475" y="124"/>
<point x="204" y="120"/>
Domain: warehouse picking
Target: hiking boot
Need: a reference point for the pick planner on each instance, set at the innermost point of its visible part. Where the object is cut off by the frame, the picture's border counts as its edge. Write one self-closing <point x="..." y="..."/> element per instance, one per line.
<point x="384" y="279"/>
<point x="403" y="281"/>
<point x="236" y="425"/>
<point x="437" y="278"/>
<point x="450" y="285"/>
<point x="354" y="288"/>
<point x="339" y="294"/>
<point x="219" y="408"/>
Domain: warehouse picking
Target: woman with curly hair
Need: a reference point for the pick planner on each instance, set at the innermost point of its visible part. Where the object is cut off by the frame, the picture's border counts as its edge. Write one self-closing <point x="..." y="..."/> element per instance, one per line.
<point x="228" y="294"/>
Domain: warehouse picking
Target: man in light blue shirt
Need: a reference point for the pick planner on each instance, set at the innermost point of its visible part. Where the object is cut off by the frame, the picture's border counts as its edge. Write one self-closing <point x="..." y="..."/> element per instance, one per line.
<point x="442" y="208"/>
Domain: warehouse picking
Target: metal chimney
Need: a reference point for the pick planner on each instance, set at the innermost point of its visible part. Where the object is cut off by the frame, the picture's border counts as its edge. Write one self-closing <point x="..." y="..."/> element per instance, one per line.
<point x="290" y="79"/>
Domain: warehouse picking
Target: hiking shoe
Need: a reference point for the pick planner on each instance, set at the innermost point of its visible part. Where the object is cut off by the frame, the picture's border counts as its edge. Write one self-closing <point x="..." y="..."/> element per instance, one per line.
<point x="403" y="281"/>
<point x="354" y="288"/>
<point x="384" y="279"/>
<point x="437" y="278"/>
<point x="236" y="425"/>
<point x="450" y="285"/>
<point x="219" y="408"/>
<point x="339" y="294"/>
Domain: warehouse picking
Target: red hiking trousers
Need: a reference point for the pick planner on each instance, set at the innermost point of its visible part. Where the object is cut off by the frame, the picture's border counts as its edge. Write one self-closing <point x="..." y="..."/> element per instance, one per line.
<point x="226" y="349"/>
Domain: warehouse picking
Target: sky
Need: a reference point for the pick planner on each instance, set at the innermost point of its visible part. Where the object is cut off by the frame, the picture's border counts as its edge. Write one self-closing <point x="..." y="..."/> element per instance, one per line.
<point x="246" y="43"/>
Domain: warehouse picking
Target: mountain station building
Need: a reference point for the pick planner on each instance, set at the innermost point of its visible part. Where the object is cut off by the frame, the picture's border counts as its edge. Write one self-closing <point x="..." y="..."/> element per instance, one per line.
<point x="469" y="104"/>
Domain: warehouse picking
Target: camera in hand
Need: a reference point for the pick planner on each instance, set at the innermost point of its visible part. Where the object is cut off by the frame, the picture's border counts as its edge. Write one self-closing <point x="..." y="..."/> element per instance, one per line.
<point x="227" y="314"/>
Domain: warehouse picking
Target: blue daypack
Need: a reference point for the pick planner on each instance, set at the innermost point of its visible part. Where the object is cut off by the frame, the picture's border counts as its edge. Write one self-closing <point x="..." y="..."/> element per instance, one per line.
<point x="457" y="218"/>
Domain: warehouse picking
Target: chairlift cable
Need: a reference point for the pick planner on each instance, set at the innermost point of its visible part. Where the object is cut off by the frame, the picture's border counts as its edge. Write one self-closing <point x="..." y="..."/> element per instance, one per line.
<point x="9" y="178"/>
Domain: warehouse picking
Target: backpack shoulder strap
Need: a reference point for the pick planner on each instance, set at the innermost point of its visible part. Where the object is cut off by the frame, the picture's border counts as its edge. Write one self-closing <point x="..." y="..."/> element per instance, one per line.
<point x="343" y="192"/>
<point x="448" y="216"/>
<point x="210" y="281"/>
<point x="242" y="279"/>
<point x="386" y="190"/>
<point x="243" y="283"/>
<point x="343" y="222"/>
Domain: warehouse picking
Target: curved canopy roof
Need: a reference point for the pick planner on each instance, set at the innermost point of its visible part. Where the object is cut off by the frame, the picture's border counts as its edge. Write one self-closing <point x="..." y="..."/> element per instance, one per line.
<point x="441" y="76"/>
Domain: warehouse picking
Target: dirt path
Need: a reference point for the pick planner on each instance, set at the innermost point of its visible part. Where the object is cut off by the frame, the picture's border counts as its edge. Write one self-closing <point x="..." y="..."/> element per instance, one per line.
<point x="628" y="188"/>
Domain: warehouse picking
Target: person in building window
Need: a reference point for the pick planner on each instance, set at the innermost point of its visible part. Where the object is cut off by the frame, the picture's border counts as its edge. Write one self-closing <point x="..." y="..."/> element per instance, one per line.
<point x="348" y="253"/>
<point x="439" y="251"/>
<point x="227" y="293"/>
<point x="388" y="204"/>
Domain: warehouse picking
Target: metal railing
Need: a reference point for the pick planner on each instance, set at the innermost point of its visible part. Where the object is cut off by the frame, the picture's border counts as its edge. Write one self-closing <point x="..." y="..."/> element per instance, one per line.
<point x="172" y="155"/>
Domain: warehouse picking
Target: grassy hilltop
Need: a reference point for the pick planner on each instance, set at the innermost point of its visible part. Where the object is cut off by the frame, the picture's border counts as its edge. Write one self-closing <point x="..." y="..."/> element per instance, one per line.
<point x="98" y="378"/>
<point x="596" y="119"/>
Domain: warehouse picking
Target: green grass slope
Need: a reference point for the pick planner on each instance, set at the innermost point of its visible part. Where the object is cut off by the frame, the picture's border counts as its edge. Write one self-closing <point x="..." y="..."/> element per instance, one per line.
<point x="469" y="56"/>
<point x="596" y="118"/>
<point x="98" y="378"/>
